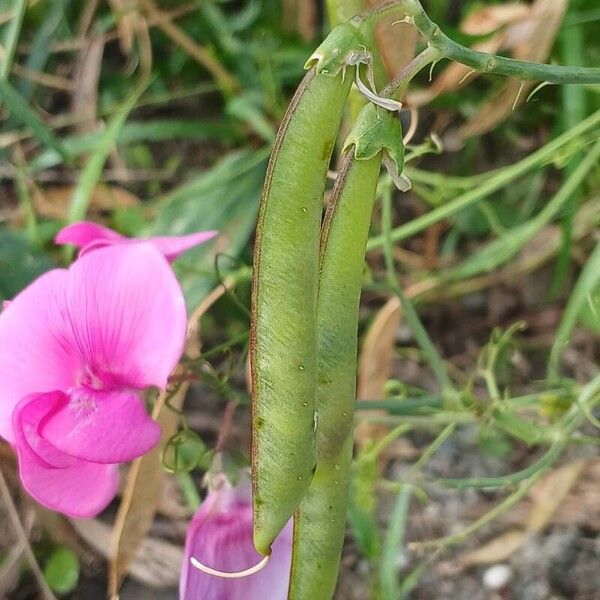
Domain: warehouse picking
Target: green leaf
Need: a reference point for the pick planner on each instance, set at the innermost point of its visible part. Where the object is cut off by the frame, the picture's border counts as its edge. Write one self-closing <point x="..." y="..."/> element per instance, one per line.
<point x="92" y="171"/>
<point x="62" y="570"/>
<point x="586" y="285"/>
<point x="590" y="312"/>
<point x="224" y="198"/>
<point x="20" y="109"/>
<point x="393" y="545"/>
<point x="139" y="131"/>
<point x="11" y="37"/>
<point x="362" y="506"/>
<point x="20" y="263"/>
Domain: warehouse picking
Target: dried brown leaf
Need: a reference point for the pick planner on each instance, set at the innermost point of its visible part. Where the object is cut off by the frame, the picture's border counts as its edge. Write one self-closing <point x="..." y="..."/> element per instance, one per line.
<point x="487" y="19"/>
<point x="546" y="17"/>
<point x="301" y="16"/>
<point x="396" y="41"/>
<point x="53" y="202"/>
<point x="497" y="550"/>
<point x="375" y="366"/>
<point x="549" y="494"/>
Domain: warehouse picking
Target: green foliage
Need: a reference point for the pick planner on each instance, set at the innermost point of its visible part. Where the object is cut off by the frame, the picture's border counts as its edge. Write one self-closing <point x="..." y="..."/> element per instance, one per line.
<point x="20" y="264"/>
<point x="61" y="570"/>
<point x="224" y="198"/>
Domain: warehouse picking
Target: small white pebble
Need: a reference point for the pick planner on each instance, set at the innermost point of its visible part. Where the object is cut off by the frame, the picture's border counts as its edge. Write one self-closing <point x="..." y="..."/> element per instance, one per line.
<point x="496" y="577"/>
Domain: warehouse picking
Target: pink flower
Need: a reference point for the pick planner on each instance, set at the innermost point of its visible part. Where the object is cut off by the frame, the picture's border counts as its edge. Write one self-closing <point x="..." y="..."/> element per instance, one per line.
<point x="90" y="236"/>
<point x="220" y="537"/>
<point x="76" y="347"/>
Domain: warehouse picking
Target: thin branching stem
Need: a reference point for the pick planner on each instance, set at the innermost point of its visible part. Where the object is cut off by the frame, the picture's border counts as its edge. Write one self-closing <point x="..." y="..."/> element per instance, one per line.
<point x="412" y="318"/>
<point x="482" y="61"/>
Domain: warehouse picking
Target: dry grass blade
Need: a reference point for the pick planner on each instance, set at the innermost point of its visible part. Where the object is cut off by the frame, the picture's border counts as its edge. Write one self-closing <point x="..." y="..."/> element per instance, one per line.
<point x="12" y="563"/>
<point x="125" y="18"/>
<point x="157" y="563"/>
<point x="55" y="82"/>
<point x="301" y="16"/>
<point x="13" y="514"/>
<point x="142" y="493"/>
<point x="86" y="18"/>
<point x="546" y="16"/>
<point x="87" y="76"/>
<point x="375" y="367"/>
<point x="396" y="41"/>
<point x="223" y="77"/>
<point x="146" y="476"/>
<point x="549" y="494"/>
<point x="11" y="569"/>
<point x="132" y="26"/>
<point x="495" y="551"/>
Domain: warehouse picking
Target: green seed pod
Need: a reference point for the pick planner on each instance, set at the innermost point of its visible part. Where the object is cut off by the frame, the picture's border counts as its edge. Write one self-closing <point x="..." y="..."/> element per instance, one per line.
<point x="284" y="303"/>
<point x="320" y="521"/>
<point x="376" y="129"/>
<point x="343" y="47"/>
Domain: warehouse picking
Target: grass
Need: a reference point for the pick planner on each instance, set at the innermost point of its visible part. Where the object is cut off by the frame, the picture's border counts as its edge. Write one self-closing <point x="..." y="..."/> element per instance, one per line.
<point x="186" y="102"/>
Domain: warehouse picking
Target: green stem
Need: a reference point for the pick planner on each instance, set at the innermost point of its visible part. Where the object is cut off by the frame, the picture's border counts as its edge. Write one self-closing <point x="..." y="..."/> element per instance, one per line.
<point x="490" y="63"/>
<point x="587" y="282"/>
<point x="487" y="518"/>
<point x="432" y="449"/>
<point x="547" y="460"/>
<point x="393" y="543"/>
<point x="502" y="177"/>
<point x="480" y="61"/>
<point x="573" y="111"/>
<point x="398" y="85"/>
<point x="588" y="398"/>
<point x="410" y="314"/>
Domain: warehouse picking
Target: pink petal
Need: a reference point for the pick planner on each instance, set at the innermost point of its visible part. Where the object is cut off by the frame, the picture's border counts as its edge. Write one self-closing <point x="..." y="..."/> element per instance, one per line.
<point x="62" y="483"/>
<point x="85" y="232"/>
<point x="172" y="246"/>
<point x="220" y="536"/>
<point x="90" y="236"/>
<point x="116" y="318"/>
<point x="35" y="355"/>
<point x="127" y="317"/>
<point x="100" y="427"/>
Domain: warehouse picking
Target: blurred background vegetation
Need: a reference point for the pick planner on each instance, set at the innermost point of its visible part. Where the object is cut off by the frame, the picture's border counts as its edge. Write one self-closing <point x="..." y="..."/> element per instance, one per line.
<point x="156" y="117"/>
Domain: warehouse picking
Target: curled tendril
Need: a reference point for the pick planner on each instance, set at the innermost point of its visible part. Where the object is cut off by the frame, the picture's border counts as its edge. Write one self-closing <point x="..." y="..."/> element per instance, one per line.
<point x="172" y="458"/>
<point x="221" y="279"/>
<point x="231" y="574"/>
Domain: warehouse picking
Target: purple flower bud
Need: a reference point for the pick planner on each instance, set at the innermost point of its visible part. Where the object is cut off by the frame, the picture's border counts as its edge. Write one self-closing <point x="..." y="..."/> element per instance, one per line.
<point x="220" y="537"/>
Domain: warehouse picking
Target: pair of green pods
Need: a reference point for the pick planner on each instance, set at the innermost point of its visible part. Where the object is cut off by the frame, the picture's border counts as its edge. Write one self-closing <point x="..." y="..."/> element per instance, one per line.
<point x="306" y="290"/>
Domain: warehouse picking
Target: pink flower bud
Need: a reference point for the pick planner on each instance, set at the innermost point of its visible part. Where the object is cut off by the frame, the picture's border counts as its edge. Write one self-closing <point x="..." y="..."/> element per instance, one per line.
<point x="220" y="537"/>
